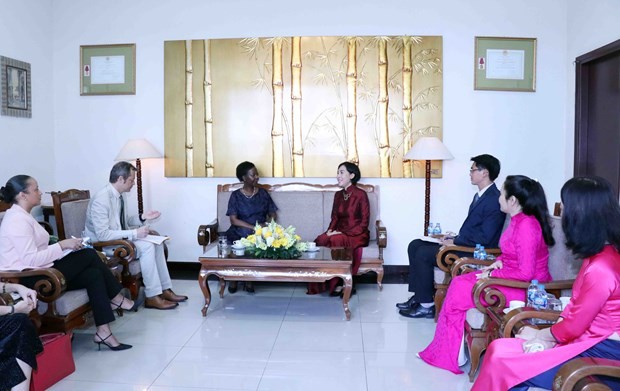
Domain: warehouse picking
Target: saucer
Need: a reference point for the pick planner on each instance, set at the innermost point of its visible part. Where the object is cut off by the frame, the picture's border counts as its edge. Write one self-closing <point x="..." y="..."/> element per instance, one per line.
<point x="312" y="250"/>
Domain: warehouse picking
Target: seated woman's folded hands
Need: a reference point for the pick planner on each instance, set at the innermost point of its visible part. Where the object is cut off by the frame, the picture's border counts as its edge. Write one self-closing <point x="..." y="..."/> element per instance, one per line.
<point x="541" y="340"/>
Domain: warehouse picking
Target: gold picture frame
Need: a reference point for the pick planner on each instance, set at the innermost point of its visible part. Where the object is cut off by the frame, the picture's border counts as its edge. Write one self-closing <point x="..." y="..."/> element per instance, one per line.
<point x="505" y="64"/>
<point x="366" y="99"/>
<point x="108" y="69"/>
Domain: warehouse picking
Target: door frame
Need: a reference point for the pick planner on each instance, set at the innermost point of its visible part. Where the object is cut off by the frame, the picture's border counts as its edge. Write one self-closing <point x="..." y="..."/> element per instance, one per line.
<point x="582" y="89"/>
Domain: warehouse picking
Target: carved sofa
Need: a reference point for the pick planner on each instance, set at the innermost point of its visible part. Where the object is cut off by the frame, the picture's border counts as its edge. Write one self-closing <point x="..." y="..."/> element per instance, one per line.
<point x="308" y="208"/>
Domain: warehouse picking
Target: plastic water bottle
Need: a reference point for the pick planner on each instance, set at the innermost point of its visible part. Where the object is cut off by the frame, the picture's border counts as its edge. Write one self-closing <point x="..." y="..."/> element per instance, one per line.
<point x="540" y="299"/>
<point x="531" y="292"/>
<point x="429" y="230"/>
<point x="223" y="250"/>
<point x="544" y="297"/>
<point x="482" y="253"/>
<point x="437" y="229"/>
<point x="477" y="252"/>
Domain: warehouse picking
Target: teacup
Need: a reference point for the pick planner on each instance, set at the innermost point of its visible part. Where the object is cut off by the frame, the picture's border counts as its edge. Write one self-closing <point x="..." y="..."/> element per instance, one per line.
<point x="239" y="251"/>
<point x="516" y="304"/>
<point x="311" y="245"/>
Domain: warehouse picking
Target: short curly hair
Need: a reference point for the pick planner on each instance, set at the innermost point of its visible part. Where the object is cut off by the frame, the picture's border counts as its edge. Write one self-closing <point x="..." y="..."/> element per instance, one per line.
<point x="243" y="168"/>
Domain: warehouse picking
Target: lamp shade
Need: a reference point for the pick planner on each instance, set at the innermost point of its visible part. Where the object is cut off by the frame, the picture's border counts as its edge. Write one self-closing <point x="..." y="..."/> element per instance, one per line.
<point x="428" y="148"/>
<point x="137" y="149"/>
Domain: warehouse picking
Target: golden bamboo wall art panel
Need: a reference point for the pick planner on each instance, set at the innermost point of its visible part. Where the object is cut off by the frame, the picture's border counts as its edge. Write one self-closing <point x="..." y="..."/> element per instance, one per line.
<point x="298" y="106"/>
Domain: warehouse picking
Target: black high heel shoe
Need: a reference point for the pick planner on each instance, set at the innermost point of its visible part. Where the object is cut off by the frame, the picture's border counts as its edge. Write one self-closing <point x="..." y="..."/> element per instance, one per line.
<point x="121" y="346"/>
<point x="119" y="310"/>
<point x="134" y="308"/>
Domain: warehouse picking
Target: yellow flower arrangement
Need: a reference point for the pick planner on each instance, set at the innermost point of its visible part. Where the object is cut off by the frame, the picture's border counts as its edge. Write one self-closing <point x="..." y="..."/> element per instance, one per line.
<point x="274" y="241"/>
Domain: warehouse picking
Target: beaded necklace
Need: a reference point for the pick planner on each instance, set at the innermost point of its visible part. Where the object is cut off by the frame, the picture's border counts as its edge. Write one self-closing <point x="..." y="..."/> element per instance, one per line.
<point x="250" y="196"/>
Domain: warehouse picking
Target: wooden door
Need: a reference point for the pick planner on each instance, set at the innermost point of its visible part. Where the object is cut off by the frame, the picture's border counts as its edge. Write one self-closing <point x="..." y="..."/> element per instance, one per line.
<point x="597" y="114"/>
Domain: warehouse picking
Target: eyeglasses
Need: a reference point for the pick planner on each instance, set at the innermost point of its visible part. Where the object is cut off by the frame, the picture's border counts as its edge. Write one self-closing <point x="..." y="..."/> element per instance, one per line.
<point x="475" y="169"/>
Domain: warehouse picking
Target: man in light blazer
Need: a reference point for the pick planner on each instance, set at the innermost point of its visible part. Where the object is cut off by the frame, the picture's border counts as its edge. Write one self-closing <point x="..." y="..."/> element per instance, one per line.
<point x="483" y="225"/>
<point x="107" y="219"/>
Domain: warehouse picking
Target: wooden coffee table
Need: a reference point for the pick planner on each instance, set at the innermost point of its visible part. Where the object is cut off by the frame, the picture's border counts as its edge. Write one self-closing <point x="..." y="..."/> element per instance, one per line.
<point x="318" y="266"/>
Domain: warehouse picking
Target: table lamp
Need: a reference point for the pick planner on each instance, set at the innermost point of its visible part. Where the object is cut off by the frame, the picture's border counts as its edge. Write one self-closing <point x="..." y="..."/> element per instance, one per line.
<point x="428" y="148"/>
<point x="137" y="149"/>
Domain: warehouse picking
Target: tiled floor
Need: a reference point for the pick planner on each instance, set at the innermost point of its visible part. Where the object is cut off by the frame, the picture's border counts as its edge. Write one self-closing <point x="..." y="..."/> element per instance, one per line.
<point x="277" y="339"/>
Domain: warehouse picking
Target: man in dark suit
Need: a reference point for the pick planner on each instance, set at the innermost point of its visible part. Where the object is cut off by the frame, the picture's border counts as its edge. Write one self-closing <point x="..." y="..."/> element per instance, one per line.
<point x="483" y="225"/>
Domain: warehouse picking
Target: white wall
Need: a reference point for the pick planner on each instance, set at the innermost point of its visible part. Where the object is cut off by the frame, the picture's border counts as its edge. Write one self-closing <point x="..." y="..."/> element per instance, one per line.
<point x="27" y="144"/>
<point x="591" y="24"/>
<point x="521" y="129"/>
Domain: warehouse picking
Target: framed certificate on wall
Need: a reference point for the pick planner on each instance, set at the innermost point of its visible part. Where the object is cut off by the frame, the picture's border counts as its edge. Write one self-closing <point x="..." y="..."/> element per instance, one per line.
<point x="108" y="69"/>
<point x="505" y="64"/>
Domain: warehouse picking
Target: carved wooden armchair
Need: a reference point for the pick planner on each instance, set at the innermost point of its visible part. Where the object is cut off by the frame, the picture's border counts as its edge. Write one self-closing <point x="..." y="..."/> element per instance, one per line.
<point x="446" y="257"/>
<point x="479" y="329"/>
<point x="578" y="374"/>
<point x="120" y="255"/>
<point x="58" y="310"/>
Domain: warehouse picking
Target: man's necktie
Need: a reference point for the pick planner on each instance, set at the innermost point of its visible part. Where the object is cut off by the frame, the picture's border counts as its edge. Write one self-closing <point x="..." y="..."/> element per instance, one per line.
<point x="123" y="226"/>
<point x="476" y="198"/>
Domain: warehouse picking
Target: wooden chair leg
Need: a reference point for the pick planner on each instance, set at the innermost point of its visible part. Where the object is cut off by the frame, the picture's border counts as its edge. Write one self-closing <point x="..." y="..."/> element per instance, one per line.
<point x="440" y="295"/>
<point x="380" y="278"/>
<point x="133" y="284"/>
<point x="476" y="346"/>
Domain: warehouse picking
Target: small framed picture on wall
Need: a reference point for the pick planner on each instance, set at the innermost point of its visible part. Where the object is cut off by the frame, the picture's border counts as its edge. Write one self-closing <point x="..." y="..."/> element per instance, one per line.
<point x="16" y="89"/>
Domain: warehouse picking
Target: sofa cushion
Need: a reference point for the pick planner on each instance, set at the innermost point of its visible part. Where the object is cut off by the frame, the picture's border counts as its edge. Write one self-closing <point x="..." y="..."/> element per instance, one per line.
<point x="474" y="318"/>
<point x="302" y="210"/>
<point x="67" y="302"/>
<point x="438" y="275"/>
<point x="134" y="267"/>
<point x="372" y="251"/>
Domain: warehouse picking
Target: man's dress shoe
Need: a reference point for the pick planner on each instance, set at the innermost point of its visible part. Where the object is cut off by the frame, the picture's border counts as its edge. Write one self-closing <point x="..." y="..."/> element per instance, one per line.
<point x="158" y="303"/>
<point x="169" y="295"/>
<point x="419" y="312"/>
<point x="407" y="305"/>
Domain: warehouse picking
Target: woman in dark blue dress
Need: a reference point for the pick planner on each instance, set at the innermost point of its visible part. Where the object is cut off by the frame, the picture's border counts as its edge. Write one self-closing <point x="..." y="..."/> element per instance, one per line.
<point x="247" y="207"/>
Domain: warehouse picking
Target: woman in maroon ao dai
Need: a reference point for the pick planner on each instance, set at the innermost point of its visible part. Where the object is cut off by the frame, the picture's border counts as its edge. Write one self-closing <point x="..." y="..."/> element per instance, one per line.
<point x="349" y="223"/>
